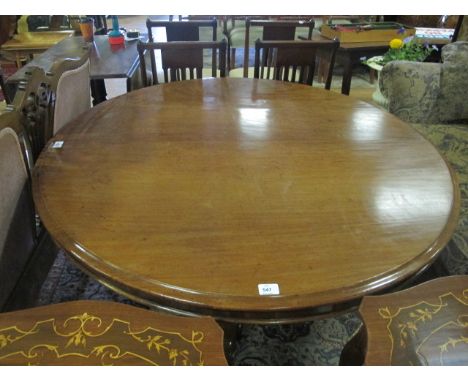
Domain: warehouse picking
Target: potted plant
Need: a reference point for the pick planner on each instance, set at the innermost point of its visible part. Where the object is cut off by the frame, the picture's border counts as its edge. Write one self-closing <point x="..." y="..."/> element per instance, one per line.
<point x="403" y="50"/>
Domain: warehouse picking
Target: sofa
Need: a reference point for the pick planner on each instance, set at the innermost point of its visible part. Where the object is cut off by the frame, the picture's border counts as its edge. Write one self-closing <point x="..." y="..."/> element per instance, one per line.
<point x="423" y="92"/>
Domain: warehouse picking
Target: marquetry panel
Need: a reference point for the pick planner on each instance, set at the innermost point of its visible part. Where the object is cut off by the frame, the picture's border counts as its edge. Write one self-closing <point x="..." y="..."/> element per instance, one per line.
<point x="105" y="333"/>
<point x="424" y="325"/>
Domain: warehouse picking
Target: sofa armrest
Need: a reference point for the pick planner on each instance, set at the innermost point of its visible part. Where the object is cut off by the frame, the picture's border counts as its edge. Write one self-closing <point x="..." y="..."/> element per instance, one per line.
<point x="412" y="89"/>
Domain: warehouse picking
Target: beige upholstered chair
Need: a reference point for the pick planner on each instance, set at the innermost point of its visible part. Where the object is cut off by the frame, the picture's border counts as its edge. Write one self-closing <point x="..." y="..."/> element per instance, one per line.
<point x="17" y="225"/>
<point x="26" y="250"/>
<point x="293" y="61"/>
<point x="70" y="84"/>
<point x="183" y="60"/>
<point x="107" y="333"/>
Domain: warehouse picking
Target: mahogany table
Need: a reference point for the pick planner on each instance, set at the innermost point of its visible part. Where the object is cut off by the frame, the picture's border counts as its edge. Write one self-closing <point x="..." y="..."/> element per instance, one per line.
<point x="106" y="61"/>
<point x="247" y="200"/>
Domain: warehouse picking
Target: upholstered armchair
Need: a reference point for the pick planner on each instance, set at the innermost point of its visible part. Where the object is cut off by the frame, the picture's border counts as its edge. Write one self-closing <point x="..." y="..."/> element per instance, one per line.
<point x="428" y="92"/>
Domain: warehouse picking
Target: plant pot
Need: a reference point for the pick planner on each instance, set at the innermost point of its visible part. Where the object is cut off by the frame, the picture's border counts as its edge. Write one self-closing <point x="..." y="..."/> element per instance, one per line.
<point x="377" y="96"/>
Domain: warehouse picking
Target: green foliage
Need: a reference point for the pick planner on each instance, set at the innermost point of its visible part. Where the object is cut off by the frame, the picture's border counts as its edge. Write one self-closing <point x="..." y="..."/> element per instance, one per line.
<point x="410" y="51"/>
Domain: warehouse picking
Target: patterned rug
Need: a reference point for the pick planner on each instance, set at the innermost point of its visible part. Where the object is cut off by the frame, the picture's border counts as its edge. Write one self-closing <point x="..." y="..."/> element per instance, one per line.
<point x="312" y="343"/>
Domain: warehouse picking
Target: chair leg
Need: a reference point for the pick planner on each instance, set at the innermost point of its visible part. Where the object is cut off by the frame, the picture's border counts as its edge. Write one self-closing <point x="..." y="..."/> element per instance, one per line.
<point x="232" y="63"/>
<point x="353" y="353"/>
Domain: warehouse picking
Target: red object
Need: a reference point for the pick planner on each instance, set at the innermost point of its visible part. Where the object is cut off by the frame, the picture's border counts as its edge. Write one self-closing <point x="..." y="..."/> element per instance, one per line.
<point x="116" y="40"/>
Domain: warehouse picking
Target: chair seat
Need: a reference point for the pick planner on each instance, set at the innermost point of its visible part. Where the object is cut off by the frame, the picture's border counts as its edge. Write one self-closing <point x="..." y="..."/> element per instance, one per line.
<point x="107" y="333"/>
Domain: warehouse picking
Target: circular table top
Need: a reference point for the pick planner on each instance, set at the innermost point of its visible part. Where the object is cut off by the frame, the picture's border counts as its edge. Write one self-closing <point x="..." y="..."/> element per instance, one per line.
<point x="189" y="195"/>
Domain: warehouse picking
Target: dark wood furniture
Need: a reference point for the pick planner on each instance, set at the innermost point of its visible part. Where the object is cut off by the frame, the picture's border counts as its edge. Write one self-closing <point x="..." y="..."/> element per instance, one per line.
<point x="192" y="195"/>
<point x="351" y="54"/>
<point x="106" y="61"/>
<point x="188" y="30"/>
<point x="423" y="325"/>
<point x="182" y="60"/>
<point x="95" y="333"/>
<point x="294" y="61"/>
<point x="272" y="30"/>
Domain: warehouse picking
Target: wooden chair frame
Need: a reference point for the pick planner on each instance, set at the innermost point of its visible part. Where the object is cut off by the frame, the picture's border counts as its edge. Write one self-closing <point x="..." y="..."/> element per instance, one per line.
<point x="181" y="31"/>
<point x="295" y="55"/>
<point x="189" y="56"/>
<point x="273" y="30"/>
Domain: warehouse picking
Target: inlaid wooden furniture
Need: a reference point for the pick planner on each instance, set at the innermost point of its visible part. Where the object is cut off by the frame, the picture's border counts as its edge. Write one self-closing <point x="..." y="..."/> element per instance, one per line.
<point x="106" y="61"/>
<point x="294" y="61"/>
<point x="29" y="43"/>
<point x="182" y="60"/>
<point x="273" y="30"/>
<point x="247" y="200"/>
<point x="96" y="333"/>
<point x="423" y="325"/>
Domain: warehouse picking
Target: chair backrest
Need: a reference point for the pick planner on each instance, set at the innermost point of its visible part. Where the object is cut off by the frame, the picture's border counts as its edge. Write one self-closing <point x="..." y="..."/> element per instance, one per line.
<point x="107" y="333"/>
<point x="33" y="107"/>
<point x="423" y="325"/>
<point x="293" y="61"/>
<point x="182" y="30"/>
<point x="180" y="57"/>
<point x="69" y="82"/>
<point x="17" y="217"/>
<point x="274" y="30"/>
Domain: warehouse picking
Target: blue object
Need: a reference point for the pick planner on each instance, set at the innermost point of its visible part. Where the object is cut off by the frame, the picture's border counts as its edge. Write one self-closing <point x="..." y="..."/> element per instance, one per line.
<point x="115" y="32"/>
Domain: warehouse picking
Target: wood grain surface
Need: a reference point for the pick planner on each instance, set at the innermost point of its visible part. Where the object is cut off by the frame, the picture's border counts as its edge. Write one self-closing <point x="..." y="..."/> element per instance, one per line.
<point x="95" y="333"/>
<point x="423" y="325"/>
<point x="189" y="195"/>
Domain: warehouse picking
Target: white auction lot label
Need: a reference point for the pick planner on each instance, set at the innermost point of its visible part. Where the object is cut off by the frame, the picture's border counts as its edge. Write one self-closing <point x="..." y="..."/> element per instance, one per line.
<point x="268" y="289"/>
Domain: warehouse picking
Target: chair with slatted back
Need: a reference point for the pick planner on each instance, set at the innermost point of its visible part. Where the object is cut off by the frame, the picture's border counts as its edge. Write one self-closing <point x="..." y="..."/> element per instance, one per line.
<point x="293" y="61"/>
<point x="188" y="30"/>
<point x="271" y="30"/>
<point x="26" y="251"/>
<point x="183" y="30"/>
<point x="182" y="60"/>
<point x="423" y="325"/>
<point x="95" y="333"/>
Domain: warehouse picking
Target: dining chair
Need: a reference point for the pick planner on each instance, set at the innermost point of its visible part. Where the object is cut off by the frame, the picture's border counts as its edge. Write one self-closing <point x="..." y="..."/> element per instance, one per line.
<point x="96" y="333"/>
<point x="26" y="251"/>
<point x="293" y="61"/>
<point x="423" y="325"/>
<point x="31" y="110"/>
<point x="188" y="30"/>
<point x="266" y="30"/>
<point x="70" y="85"/>
<point x="182" y="60"/>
